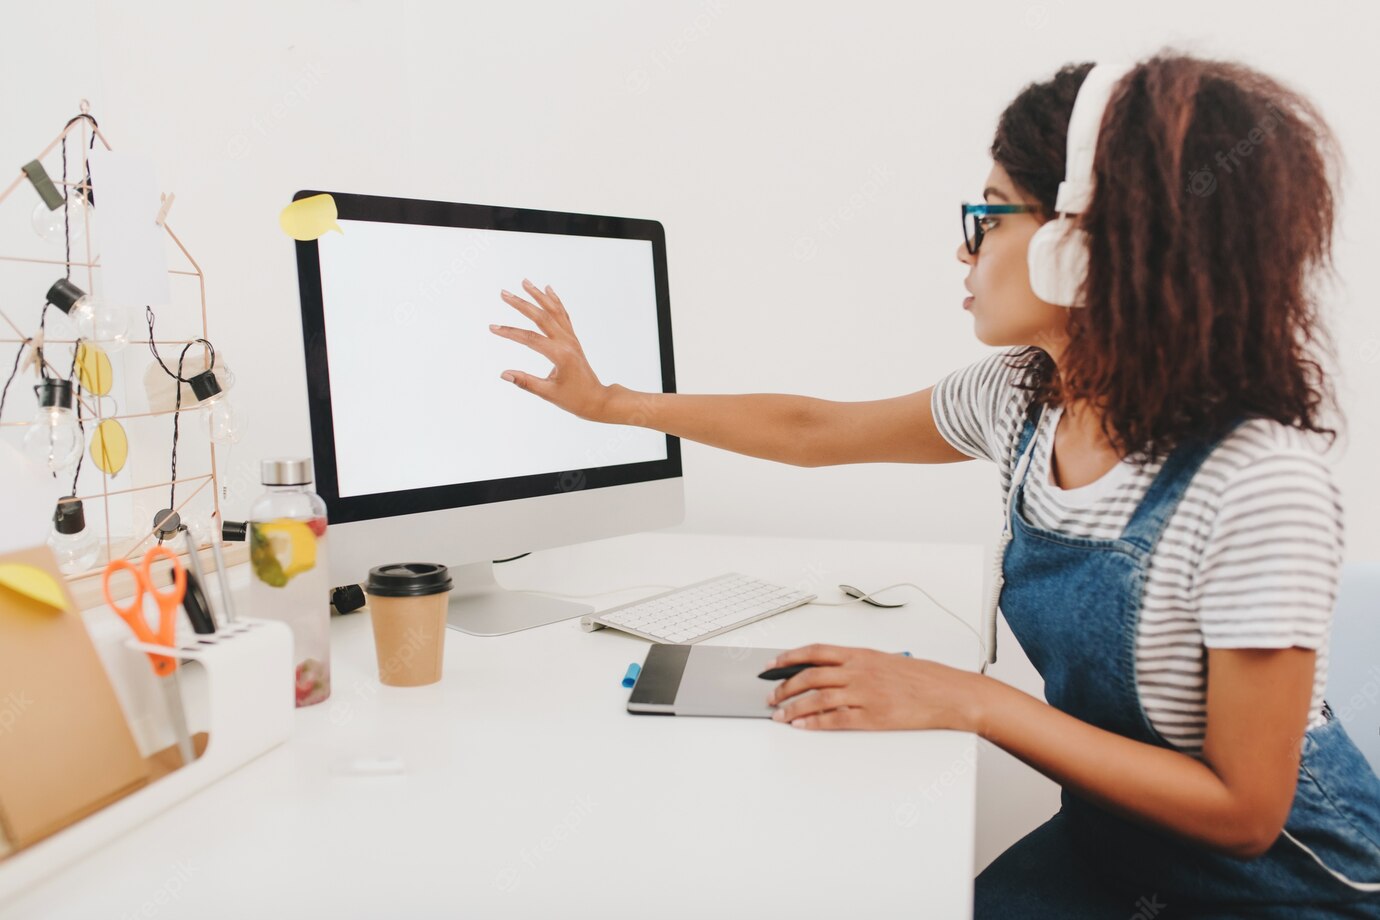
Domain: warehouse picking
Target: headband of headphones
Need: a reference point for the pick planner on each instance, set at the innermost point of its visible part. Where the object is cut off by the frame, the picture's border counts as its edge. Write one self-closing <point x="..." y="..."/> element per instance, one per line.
<point x="1075" y="192"/>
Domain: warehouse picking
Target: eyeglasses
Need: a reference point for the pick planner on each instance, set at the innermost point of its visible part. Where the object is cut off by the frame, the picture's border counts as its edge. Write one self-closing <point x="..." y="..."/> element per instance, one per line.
<point x="975" y="219"/>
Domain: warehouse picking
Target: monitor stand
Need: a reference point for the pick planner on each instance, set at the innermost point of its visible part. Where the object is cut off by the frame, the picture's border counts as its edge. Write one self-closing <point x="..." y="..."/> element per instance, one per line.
<point x="480" y="606"/>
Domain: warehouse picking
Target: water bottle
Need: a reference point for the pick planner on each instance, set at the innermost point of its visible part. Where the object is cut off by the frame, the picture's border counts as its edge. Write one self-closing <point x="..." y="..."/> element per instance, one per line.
<point x="289" y="570"/>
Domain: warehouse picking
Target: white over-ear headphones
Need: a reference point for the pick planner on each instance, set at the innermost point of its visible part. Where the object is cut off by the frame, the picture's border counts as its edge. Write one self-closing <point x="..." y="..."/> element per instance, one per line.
<point x="1058" y="254"/>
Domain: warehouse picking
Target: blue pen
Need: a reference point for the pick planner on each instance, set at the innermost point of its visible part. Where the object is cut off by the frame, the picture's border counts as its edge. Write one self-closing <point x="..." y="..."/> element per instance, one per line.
<point x="630" y="678"/>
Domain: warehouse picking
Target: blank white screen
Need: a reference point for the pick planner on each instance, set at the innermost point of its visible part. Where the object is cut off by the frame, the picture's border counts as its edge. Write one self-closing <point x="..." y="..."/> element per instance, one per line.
<point x="416" y="396"/>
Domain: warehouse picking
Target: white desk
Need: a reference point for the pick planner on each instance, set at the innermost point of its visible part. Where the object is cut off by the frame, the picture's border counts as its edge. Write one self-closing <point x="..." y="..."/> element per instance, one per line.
<point x="529" y="791"/>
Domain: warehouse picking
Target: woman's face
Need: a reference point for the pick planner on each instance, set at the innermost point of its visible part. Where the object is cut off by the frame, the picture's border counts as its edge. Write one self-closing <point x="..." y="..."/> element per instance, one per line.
<point x="1005" y="310"/>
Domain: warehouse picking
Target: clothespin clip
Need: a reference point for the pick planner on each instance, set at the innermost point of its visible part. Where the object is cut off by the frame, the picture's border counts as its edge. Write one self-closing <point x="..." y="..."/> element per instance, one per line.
<point x="167" y="199"/>
<point x="35" y="358"/>
<point x="38" y="177"/>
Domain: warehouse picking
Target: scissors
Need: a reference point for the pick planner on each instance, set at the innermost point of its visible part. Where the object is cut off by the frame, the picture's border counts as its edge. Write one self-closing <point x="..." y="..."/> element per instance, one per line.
<point x="168" y="600"/>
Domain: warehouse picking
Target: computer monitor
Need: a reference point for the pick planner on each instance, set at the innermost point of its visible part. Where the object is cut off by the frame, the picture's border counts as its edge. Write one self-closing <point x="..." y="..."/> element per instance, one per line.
<point x="422" y="452"/>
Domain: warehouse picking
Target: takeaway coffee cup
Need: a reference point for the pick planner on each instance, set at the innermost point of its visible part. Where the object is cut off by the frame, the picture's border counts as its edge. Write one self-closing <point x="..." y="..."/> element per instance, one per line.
<point x="407" y="603"/>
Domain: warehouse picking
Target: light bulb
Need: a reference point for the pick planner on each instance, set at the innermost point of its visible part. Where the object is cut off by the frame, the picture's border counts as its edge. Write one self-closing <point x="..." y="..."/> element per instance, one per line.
<point x="49" y="224"/>
<point x="54" y="437"/>
<point x="75" y="545"/>
<point x="199" y="527"/>
<point x="96" y="321"/>
<point x="101" y="323"/>
<point x="224" y="374"/>
<point x="222" y="421"/>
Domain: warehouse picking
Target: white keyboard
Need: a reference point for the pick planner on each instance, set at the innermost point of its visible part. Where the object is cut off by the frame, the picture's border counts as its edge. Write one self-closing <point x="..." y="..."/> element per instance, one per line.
<point x="698" y="611"/>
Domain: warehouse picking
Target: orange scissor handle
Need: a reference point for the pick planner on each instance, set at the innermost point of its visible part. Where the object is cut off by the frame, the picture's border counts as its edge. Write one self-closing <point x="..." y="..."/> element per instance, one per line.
<point x="168" y="602"/>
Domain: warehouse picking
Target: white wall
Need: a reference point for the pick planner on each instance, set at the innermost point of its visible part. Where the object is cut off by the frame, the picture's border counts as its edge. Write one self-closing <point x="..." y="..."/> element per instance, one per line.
<point x="805" y="159"/>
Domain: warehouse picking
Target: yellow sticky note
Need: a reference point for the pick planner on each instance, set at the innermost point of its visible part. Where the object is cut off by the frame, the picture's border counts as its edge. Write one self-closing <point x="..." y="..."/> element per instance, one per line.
<point x="308" y="218"/>
<point x="32" y="582"/>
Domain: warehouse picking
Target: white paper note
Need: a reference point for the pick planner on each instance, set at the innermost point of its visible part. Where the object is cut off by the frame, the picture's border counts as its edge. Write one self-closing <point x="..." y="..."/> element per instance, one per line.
<point x="133" y="248"/>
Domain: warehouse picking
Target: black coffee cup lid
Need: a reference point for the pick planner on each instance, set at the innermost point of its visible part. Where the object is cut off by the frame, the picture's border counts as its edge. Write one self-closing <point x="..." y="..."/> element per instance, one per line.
<point x="408" y="579"/>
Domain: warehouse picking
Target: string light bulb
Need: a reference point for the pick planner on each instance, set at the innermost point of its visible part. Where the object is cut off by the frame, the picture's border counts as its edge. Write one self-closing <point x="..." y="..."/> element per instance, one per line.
<point x="74" y="545"/>
<point x="54" y="437"/>
<point x="221" y="419"/>
<point x="96" y="320"/>
<point x="66" y="223"/>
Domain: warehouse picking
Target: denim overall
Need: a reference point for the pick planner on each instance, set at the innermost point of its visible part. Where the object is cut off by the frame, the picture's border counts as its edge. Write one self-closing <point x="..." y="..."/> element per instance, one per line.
<point x="1073" y="603"/>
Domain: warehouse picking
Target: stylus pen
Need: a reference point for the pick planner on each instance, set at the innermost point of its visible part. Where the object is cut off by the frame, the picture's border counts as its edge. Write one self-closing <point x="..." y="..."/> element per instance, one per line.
<point x="791" y="670"/>
<point x="227" y="601"/>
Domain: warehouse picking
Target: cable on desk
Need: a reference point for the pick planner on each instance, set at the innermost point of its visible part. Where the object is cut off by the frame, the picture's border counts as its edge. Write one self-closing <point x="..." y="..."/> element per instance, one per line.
<point x="855" y="600"/>
<point x="597" y="594"/>
<point x="907" y="584"/>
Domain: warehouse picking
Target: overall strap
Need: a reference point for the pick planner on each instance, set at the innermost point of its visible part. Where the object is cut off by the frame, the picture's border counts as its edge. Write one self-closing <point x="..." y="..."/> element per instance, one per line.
<point x="1032" y="414"/>
<point x="1157" y="507"/>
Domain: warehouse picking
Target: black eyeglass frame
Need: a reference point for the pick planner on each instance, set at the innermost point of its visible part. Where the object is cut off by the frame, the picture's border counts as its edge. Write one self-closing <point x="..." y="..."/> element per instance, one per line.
<point x="980" y="211"/>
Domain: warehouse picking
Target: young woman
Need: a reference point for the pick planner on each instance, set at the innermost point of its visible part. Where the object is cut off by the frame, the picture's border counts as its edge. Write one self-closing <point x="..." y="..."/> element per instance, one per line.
<point x="1173" y="538"/>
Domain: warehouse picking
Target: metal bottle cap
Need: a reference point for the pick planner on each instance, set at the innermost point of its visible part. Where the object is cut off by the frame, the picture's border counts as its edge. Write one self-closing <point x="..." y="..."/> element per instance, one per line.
<point x="285" y="471"/>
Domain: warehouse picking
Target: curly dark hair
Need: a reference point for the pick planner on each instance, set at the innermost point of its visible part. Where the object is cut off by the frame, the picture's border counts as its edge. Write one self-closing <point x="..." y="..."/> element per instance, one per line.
<point x="1211" y="217"/>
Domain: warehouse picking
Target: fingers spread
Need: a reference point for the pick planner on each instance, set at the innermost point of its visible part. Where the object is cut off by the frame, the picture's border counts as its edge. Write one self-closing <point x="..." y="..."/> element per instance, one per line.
<point x="533" y="340"/>
<point x="558" y="308"/>
<point x="531" y="311"/>
<point x="555" y="310"/>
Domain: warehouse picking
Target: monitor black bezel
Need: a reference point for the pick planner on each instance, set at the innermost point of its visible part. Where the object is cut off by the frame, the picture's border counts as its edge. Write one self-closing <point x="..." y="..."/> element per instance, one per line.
<point x="349" y="206"/>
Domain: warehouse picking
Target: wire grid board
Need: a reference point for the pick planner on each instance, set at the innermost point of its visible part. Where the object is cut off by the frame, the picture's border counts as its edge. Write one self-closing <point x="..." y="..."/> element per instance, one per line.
<point x="121" y="505"/>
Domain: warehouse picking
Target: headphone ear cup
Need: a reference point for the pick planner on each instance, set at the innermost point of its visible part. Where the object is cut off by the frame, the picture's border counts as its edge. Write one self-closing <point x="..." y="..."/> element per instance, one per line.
<point x="1058" y="262"/>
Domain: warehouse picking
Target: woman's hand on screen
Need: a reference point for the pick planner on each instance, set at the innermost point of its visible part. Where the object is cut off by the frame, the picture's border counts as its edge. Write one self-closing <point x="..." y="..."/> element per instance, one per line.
<point x="572" y="383"/>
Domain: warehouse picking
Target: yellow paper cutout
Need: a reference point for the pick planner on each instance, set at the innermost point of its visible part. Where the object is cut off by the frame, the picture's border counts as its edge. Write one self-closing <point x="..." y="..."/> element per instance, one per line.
<point x="33" y="583"/>
<point x="110" y="446"/>
<point x="93" y="369"/>
<point x="308" y="218"/>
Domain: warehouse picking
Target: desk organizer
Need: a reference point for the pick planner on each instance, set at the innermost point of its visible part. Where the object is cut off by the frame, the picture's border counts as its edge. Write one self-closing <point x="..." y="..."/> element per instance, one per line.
<point x="247" y="715"/>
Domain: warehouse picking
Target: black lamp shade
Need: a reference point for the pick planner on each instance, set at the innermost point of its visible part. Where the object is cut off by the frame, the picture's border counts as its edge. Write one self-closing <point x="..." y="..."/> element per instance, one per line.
<point x="64" y="295"/>
<point x="205" y="385"/>
<point x="69" y="517"/>
<point x="54" y="393"/>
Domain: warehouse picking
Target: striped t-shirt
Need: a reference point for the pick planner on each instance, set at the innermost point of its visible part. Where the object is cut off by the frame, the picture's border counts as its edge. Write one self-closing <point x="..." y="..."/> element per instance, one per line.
<point x="1250" y="558"/>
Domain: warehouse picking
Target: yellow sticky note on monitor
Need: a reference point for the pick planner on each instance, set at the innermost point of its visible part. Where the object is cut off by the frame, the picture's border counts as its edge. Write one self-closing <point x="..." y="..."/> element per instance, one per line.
<point x="34" y="583"/>
<point x="307" y="218"/>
